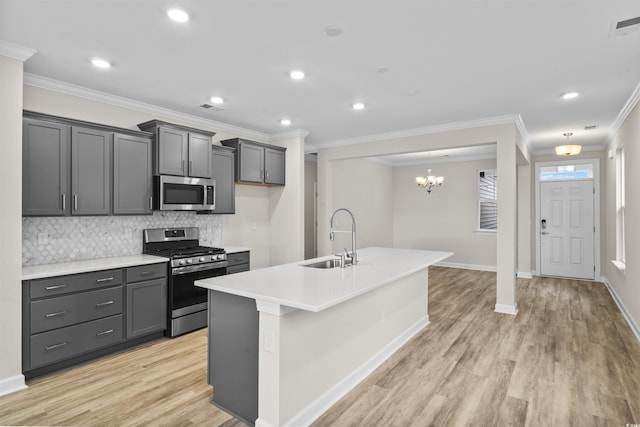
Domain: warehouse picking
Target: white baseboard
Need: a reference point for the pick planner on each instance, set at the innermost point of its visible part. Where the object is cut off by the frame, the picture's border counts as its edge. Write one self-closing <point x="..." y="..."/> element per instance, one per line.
<point x="524" y="275"/>
<point x="466" y="266"/>
<point x="632" y="324"/>
<point x="318" y="407"/>
<point x="507" y="309"/>
<point x="12" y="384"/>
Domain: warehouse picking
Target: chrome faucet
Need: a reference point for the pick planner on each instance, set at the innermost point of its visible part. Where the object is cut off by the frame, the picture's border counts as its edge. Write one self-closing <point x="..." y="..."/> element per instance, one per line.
<point x="354" y="255"/>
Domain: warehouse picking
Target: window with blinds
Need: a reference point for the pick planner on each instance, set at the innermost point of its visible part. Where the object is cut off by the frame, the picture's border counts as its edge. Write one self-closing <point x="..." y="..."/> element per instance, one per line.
<point x="487" y="200"/>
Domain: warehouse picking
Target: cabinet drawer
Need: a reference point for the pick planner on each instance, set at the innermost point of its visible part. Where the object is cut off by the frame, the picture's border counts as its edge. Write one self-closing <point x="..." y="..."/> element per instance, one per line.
<point x="80" y="282"/>
<point x="237" y="268"/>
<point x="238" y="258"/>
<point x="63" y="343"/>
<point x="146" y="272"/>
<point x="52" y="313"/>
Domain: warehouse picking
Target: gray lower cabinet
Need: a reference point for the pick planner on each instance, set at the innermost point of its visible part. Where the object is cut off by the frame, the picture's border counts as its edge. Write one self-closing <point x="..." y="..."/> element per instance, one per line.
<point x="223" y="163"/>
<point x="71" y="167"/>
<point x="238" y="262"/>
<point x="146" y="300"/>
<point x="132" y="175"/>
<point x="258" y="163"/>
<point x="71" y="319"/>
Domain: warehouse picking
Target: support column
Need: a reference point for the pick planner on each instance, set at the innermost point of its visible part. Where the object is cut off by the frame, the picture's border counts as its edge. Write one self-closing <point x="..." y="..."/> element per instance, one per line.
<point x="507" y="223"/>
<point x="12" y="59"/>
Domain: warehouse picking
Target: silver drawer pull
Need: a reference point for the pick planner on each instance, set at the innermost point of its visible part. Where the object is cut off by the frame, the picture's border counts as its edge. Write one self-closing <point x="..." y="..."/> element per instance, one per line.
<point x="106" y="279"/>
<point x="103" y="304"/>
<point x="146" y="273"/>
<point x="57" y="313"/>
<point x="50" y="288"/>
<point x="110" y="331"/>
<point x="51" y="347"/>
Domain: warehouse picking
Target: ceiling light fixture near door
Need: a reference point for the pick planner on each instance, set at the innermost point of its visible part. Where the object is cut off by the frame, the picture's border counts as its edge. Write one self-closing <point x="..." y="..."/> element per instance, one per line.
<point x="297" y="74"/>
<point x="216" y="100"/>
<point x="568" y="149"/>
<point x="177" y="15"/>
<point x="100" y="63"/>
<point x="570" y="95"/>
<point x="358" y="106"/>
<point x="430" y="181"/>
<point x="285" y="122"/>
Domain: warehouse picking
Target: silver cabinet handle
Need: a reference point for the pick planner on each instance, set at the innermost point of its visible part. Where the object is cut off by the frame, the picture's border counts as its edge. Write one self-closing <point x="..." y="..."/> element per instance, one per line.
<point x="64" y="201"/>
<point x="57" y="313"/>
<point x="51" y="347"/>
<point x="190" y="167"/>
<point x="151" y="203"/>
<point x="106" y="279"/>
<point x="50" y="288"/>
<point x="183" y="167"/>
<point x="104" y="304"/>
<point x="544" y="232"/>
<point x="75" y="202"/>
<point x="262" y="174"/>
<point x="107" y="332"/>
<point x="145" y="273"/>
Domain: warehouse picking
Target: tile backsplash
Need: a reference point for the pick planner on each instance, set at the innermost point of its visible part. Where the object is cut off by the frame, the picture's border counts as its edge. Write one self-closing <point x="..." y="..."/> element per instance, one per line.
<point x="47" y="240"/>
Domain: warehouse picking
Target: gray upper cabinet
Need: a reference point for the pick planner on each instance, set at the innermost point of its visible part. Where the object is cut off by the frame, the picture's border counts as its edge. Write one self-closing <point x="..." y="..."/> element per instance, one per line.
<point x="71" y="167"/>
<point x="45" y="157"/>
<point x="223" y="162"/>
<point x="179" y="150"/>
<point x="90" y="171"/>
<point x="132" y="183"/>
<point x="258" y="163"/>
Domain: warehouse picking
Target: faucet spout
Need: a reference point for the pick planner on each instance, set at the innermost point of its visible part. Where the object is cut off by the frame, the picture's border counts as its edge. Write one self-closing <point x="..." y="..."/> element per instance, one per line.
<point x="354" y="255"/>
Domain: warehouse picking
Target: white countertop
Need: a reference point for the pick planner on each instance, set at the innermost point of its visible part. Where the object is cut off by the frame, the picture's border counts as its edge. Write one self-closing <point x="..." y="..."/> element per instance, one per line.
<point x="235" y="249"/>
<point x="315" y="289"/>
<point x="73" y="267"/>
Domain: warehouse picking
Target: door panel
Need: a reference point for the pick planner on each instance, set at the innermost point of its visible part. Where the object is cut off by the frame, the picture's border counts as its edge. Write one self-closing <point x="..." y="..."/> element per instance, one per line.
<point x="567" y="239"/>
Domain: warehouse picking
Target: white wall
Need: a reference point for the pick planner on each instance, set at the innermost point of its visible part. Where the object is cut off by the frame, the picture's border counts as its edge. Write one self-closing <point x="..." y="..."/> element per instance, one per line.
<point x="625" y="285"/>
<point x="11" y="377"/>
<point x="446" y="219"/>
<point x="365" y="188"/>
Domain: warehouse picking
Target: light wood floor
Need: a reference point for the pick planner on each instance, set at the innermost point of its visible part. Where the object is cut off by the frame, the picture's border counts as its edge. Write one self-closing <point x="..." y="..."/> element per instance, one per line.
<point x="567" y="358"/>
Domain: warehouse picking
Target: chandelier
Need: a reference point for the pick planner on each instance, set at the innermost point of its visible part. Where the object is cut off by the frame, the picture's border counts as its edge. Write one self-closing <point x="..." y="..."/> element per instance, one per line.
<point x="568" y="150"/>
<point x="430" y="181"/>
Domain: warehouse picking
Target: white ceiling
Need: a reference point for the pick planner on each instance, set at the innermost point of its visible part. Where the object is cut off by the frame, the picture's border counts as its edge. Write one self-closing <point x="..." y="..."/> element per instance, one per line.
<point x="448" y="61"/>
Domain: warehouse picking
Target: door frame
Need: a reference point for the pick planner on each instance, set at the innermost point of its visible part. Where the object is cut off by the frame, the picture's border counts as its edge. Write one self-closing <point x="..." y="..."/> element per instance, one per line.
<point x="595" y="162"/>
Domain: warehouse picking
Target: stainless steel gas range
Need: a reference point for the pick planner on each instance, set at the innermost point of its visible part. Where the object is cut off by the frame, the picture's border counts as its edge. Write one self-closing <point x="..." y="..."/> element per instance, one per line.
<point x="187" y="303"/>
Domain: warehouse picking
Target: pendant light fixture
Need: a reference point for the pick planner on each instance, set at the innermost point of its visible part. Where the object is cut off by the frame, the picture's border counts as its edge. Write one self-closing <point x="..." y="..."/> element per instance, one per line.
<point x="568" y="149"/>
<point x="430" y="181"/>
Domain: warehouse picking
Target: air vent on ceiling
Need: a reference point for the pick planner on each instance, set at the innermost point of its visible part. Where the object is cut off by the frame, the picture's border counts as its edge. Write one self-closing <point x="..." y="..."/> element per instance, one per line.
<point x="208" y="106"/>
<point x="591" y="127"/>
<point x="624" y="27"/>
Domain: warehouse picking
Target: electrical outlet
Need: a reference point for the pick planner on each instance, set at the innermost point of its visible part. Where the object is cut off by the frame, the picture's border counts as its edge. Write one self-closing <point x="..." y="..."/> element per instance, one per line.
<point x="43" y="238"/>
<point x="254" y="226"/>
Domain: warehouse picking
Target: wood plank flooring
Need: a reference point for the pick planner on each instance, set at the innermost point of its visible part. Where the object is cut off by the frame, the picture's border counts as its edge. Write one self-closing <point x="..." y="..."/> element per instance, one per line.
<point x="567" y="358"/>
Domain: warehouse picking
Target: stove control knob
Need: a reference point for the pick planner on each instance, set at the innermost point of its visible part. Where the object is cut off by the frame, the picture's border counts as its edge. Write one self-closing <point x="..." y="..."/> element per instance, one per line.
<point x="181" y="262"/>
<point x="202" y="259"/>
<point x="189" y="261"/>
<point x="218" y="257"/>
<point x="213" y="258"/>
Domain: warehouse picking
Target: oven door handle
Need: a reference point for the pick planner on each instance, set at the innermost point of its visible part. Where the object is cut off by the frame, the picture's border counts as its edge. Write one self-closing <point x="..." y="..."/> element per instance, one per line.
<point x="202" y="267"/>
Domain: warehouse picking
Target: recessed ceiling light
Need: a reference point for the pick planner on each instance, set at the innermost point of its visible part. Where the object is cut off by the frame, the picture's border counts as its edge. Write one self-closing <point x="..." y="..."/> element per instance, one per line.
<point x="414" y="92"/>
<point x="285" y="122"/>
<point x="216" y="100"/>
<point x="100" y="63"/>
<point x="297" y="74"/>
<point x="570" y="95"/>
<point x="178" y="15"/>
<point x="333" y="31"/>
<point x="358" y="106"/>
<point x="381" y="70"/>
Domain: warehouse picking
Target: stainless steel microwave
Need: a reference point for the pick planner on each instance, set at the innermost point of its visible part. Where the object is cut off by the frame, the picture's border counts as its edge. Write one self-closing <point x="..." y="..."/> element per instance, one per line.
<point x="178" y="193"/>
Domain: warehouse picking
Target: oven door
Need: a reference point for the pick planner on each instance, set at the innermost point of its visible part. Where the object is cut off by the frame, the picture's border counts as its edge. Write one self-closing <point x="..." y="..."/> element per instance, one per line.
<point x="184" y="296"/>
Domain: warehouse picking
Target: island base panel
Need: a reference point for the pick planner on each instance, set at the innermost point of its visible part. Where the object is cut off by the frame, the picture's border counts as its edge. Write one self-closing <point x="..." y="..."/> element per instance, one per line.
<point x="233" y="354"/>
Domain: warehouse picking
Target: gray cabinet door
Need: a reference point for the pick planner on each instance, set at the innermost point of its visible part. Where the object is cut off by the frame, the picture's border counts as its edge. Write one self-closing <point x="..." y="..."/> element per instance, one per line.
<point x="199" y="156"/>
<point x="274" y="165"/>
<point x="146" y="307"/>
<point x="90" y="171"/>
<point x="251" y="163"/>
<point x="173" y="147"/>
<point x="132" y="175"/>
<point x="223" y="163"/>
<point x="45" y="157"/>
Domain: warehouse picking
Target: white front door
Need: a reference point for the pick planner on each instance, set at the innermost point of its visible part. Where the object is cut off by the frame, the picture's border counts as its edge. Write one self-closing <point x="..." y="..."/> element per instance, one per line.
<point x="567" y="229"/>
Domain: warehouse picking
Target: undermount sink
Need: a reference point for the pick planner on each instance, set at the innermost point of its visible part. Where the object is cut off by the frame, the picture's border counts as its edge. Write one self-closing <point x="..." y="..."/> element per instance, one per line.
<point x="328" y="263"/>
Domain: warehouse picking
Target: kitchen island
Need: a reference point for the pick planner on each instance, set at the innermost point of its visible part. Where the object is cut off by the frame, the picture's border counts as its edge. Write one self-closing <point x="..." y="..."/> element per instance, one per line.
<point x="286" y="342"/>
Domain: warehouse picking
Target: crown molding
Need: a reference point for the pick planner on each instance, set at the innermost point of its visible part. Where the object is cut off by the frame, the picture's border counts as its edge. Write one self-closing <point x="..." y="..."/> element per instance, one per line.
<point x="514" y="119"/>
<point x="624" y="113"/>
<point x="118" y="101"/>
<point x="15" y="51"/>
<point x="295" y="133"/>
<point x="435" y="161"/>
<point x="553" y="150"/>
